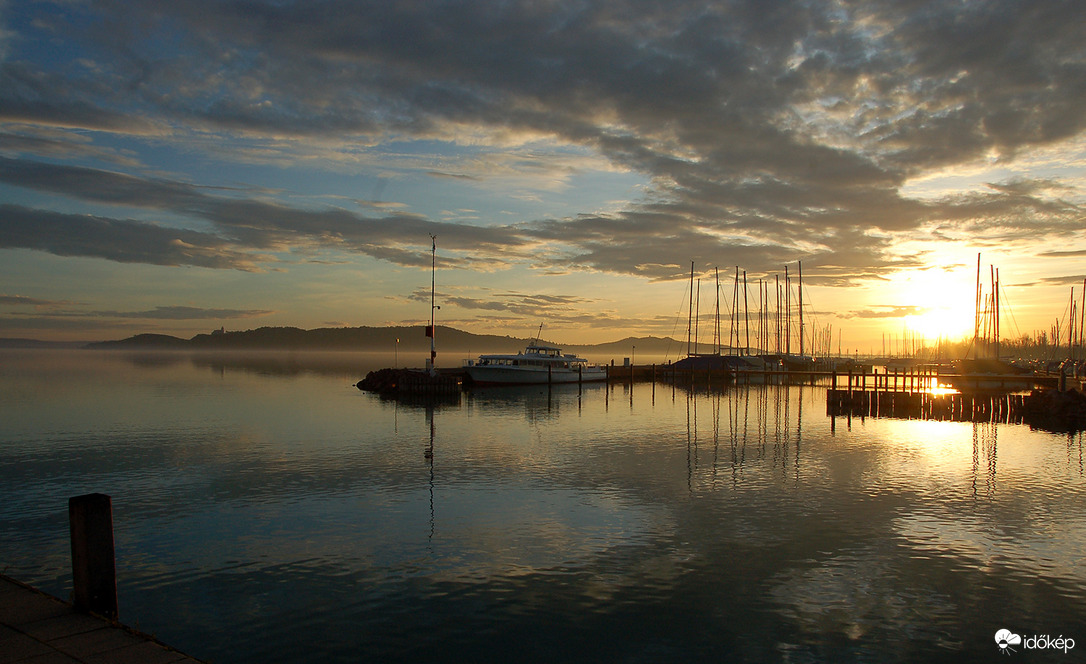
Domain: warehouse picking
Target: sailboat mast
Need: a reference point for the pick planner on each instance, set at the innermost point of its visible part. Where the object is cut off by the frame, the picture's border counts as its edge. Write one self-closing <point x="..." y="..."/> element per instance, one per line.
<point x="697" y="317"/>
<point x="976" y="316"/>
<point x="801" y="308"/>
<point x="735" y="314"/>
<point x="996" y="307"/>
<point x="746" y="312"/>
<point x="777" y="285"/>
<point x="433" y="306"/>
<point x="787" y="313"/>
<point x="690" y="311"/>
<point x="1071" y="324"/>
<point x="1082" y="313"/>
<point x="995" y="314"/>
<point x="763" y="307"/>
<point x="716" y="329"/>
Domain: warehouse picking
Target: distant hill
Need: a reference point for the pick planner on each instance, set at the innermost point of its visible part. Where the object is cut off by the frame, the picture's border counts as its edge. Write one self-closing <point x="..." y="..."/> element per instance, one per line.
<point x="34" y="343"/>
<point x="410" y="339"/>
<point x="146" y="341"/>
<point x="647" y="345"/>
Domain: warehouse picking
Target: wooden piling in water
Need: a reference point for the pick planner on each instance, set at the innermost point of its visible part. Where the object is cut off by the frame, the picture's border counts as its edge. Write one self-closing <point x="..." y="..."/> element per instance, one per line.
<point x="94" y="573"/>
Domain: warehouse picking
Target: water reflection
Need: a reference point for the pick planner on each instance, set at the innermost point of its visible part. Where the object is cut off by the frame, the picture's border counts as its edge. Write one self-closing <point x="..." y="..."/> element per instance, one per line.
<point x="536" y="403"/>
<point x="985" y="444"/>
<point x="301" y="519"/>
<point x="724" y="427"/>
<point x="285" y="363"/>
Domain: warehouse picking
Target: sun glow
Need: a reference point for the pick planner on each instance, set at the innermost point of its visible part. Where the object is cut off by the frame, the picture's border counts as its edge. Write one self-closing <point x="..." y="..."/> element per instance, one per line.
<point x="941" y="323"/>
<point x="941" y="304"/>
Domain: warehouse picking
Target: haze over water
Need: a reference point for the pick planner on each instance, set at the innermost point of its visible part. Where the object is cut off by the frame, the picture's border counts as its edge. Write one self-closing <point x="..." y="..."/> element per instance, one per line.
<point x="268" y="511"/>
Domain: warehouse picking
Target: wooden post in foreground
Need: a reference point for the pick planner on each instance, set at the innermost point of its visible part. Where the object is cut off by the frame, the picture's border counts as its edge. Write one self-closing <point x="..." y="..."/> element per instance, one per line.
<point x="94" y="574"/>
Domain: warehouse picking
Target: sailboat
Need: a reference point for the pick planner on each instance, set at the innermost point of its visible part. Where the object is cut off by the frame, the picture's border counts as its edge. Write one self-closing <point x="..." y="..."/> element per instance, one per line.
<point x="706" y="362"/>
<point x="988" y="373"/>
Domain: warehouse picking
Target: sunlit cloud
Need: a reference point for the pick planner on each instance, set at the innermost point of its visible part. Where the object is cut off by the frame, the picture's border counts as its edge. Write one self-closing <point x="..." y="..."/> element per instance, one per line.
<point x="845" y="136"/>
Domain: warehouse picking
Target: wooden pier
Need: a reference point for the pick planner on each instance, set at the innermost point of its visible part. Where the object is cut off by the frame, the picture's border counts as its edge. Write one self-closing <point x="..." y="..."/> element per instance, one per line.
<point x="670" y="374"/>
<point x="928" y="395"/>
<point x="36" y="627"/>
<point x="924" y="405"/>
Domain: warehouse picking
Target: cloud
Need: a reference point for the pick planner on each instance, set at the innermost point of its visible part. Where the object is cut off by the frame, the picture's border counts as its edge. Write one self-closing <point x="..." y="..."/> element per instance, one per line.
<point x="186" y="313"/>
<point x="886" y="311"/>
<point x="532" y="305"/>
<point x="1075" y="253"/>
<point x="124" y="241"/>
<point x="528" y="310"/>
<point x="246" y="228"/>
<point x="21" y="300"/>
<point x="771" y="132"/>
<point x="1066" y="280"/>
<point x="160" y="313"/>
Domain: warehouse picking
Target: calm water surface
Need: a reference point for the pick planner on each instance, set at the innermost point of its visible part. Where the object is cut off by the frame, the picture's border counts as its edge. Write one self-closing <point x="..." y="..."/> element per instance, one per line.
<point x="267" y="511"/>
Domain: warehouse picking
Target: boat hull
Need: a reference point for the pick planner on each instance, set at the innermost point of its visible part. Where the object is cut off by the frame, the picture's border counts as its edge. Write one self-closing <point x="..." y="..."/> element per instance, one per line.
<point x="512" y="375"/>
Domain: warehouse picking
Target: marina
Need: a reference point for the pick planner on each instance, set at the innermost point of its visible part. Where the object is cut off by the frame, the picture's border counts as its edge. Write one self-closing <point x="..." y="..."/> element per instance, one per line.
<point x="271" y="516"/>
<point x="711" y="371"/>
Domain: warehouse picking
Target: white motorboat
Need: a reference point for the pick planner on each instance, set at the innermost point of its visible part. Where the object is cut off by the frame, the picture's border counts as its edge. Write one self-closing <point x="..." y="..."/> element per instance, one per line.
<point x="537" y="364"/>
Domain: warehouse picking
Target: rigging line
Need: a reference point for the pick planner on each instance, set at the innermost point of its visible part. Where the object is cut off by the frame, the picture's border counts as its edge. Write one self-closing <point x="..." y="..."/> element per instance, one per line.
<point x="724" y="306"/>
<point x="1004" y="302"/>
<point x="1065" y="312"/>
<point x="814" y="321"/>
<point x="667" y="353"/>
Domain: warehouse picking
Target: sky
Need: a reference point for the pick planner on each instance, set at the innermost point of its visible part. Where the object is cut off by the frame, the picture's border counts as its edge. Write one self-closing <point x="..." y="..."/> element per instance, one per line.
<point x="177" y="166"/>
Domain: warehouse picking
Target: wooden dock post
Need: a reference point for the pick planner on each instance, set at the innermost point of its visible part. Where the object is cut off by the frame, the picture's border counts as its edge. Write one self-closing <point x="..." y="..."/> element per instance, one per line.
<point x="94" y="573"/>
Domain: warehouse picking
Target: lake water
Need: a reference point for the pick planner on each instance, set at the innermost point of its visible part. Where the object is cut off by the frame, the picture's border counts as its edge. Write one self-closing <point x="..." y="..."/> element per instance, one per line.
<point x="268" y="511"/>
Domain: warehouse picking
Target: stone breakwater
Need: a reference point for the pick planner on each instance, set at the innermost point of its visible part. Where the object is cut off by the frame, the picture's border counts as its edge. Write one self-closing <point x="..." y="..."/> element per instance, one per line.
<point x="395" y="382"/>
<point x="1053" y="410"/>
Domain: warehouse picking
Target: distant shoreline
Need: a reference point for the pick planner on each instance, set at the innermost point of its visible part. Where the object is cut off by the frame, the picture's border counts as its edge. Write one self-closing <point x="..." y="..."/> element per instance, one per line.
<point x="403" y="340"/>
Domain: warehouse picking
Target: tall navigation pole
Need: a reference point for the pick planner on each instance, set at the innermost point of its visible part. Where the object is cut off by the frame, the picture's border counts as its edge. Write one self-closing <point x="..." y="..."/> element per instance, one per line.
<point x="431" y="331"/>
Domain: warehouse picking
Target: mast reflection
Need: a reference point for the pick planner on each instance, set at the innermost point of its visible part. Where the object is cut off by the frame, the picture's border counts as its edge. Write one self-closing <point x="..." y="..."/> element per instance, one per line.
<point x="761" y="423"/>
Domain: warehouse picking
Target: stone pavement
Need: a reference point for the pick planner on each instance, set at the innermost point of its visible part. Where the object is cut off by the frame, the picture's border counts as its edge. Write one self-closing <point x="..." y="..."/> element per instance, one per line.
<point x="36" y="628"/>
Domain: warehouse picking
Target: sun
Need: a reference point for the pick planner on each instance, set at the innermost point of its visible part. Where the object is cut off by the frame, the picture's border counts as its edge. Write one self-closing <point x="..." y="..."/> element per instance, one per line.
<point x="941" y="303"/>
<point x="941" y="323"/>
